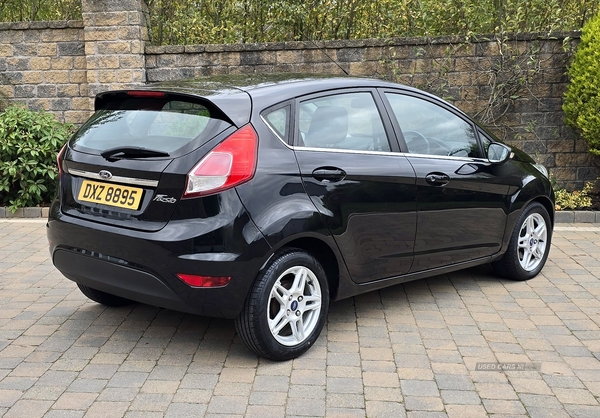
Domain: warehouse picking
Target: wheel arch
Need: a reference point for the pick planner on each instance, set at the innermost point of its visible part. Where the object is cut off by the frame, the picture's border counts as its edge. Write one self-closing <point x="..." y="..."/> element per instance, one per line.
<point x="546" y="203"/>
<point x="537" y="189"/>
<point x="324" y="254"/>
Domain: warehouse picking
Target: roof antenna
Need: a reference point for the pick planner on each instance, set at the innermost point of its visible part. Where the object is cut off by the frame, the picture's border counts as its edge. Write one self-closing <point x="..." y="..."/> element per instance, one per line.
<point x="325" y="53"/>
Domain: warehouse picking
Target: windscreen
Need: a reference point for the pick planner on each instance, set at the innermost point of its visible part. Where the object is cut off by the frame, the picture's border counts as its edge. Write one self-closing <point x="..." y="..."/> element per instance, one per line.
<point x="169" y="125"/>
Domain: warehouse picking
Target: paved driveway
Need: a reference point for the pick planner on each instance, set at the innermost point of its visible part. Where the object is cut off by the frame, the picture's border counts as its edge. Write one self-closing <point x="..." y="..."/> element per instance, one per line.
<point x="426" y="348"/>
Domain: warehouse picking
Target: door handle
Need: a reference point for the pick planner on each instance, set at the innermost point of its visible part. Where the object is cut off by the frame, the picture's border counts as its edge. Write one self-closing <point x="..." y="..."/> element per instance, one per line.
<point x="437" y="179"/>
<point x="329" y="174"/>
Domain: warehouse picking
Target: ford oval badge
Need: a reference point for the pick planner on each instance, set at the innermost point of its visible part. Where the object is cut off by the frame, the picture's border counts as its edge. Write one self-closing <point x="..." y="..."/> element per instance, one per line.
<point x="105" y="174"/>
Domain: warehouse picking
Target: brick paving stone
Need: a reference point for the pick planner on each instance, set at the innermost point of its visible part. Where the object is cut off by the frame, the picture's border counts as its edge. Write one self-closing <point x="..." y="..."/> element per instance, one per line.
<point x="426" y="414"/>
<point x="377" y="409"/>
<point x="583" y="411"/>
<point x="101" y="409"/>
<point x="87" y="385"/>
<point x="185" y="410"/>
<point x="383" y="394"/>
<point x="128" y="380"/>
<point x="423" y="403"/>
<point x="419" y="388"/>
<point x="118" y="394"/>
<point x="145" y="414"/>
<point x="381" y="379"/>
<point x="268" y="398"/>
<point x="497" y="406"/>
<point x="575" y="396"/>
<point x="28" y="408"/>
<point x="199" y="381"/>
<point x="460" y="397"/>
<point x="8" y="397"/>
<point x="75" y="400"/>
<point x="263" y="411"/>
<point x="465" y="411"/>
<point x="233" y="389"/>
<point x="64" y="413"/>
<point x="371" y="366"/>
<point x="151" y="402"/>
<point x="308" y="377"/>
<point x="160" y="386"/>
<point x="269" y="383"/>
<point x="305" y="407"/>
<point x="344" y="413"/>
<point x="345" y="385"/>
<point x="345" y="400"/>
<point x="307" y="391"/>
<point x="343" y="359"/>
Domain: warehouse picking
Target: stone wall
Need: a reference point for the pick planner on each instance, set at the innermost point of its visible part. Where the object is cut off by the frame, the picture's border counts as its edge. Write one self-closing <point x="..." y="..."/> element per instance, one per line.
<point x="60" y="66"/>
<point x="42" y="64"/>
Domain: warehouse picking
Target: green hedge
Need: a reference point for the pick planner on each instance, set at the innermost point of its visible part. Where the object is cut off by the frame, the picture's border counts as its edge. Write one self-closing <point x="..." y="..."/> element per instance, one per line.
<point x="29" y="143"/>
<point x="582" y="100"/>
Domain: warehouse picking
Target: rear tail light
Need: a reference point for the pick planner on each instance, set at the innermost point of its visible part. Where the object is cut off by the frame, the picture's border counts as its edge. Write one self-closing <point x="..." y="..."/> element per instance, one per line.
<point x="58" y="157"/>
<point x="204" y="281"/>
<point x="229" y="164"/>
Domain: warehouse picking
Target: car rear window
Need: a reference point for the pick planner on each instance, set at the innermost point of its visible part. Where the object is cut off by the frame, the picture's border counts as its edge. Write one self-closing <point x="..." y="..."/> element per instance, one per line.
<point x="170" y="125"/>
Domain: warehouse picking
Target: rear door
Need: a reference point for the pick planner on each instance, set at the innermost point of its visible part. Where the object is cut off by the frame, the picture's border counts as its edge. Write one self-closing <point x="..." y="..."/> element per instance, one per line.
<point x="127" y="165"/>
<point x="362" y="186"/>
<point x="461" y="200"/>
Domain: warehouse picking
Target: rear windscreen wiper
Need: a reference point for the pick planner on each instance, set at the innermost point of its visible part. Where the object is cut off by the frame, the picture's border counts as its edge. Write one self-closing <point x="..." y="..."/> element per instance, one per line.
<point x="132" y="152"/>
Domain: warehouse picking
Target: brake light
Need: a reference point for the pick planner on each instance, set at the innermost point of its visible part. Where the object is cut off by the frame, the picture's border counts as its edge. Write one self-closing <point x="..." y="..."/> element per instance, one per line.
<point x="150" y="94"/>
<point x="229" y="164"/>
<point x="204" y="281"/>
<point x="58" y="156"/>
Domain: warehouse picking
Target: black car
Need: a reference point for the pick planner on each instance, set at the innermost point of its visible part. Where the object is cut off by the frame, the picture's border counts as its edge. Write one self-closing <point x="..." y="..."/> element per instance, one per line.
<point x="263" y="198"/>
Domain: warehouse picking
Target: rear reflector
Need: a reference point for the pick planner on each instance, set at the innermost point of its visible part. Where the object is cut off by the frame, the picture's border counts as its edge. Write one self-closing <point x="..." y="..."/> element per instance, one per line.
<point x="204" y="281"/>
<point x="138" y="93"/>
<point x="229" y="164"/>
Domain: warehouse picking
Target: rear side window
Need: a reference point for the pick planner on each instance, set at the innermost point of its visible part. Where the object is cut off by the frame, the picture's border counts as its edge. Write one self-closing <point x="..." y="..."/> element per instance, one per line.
<point x="278" y="120"/>
<point x="173" y="126"/>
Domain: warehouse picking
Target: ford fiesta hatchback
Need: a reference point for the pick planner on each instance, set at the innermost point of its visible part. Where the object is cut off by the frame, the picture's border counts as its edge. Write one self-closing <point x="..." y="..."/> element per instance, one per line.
<point x="264" y="198"/>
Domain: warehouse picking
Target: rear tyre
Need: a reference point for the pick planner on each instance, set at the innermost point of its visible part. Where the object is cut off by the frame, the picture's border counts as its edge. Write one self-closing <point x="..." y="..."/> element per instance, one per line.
<point x="529" y="245"/>
<point x="102" y="297"/>
<point x="286" y="309"/>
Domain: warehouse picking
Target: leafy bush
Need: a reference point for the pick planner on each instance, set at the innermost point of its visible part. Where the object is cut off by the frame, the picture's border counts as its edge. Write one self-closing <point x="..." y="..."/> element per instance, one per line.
<point x="574" y="200"/>
<point x="29" y="142"/>
<point x="582" y="99"/>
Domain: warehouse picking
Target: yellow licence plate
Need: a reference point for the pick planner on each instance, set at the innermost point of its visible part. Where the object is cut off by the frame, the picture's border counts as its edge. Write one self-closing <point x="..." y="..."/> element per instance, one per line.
<point x="111" y="194"/>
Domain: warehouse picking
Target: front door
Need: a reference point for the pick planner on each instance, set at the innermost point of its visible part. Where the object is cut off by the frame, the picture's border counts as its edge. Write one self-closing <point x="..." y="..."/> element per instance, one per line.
<point x="461" y="202"/>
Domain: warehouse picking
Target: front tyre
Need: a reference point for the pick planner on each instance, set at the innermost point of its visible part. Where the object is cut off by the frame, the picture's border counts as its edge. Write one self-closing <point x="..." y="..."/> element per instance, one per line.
<point x="529" y="245"/>
<point x="286" y="309"/>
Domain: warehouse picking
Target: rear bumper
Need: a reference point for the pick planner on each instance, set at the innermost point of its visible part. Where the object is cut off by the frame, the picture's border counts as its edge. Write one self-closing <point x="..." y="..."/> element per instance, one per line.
<point x="142" y="266"/>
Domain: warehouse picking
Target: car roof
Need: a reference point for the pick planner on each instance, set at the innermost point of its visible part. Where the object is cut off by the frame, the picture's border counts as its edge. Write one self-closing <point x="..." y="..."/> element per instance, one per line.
<point x="260" y="90"/>
<point x="258" y="83"/>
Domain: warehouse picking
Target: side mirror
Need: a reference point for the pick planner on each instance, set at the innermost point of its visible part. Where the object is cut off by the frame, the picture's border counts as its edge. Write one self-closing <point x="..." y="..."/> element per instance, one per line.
<point x="498" y="153"/>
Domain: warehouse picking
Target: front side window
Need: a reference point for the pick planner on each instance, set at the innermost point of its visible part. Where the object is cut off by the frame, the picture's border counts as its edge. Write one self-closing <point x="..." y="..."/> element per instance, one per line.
<point x="348" y="121"/>
<point x="485" y="141"/>
<point x="432" y="130"/>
